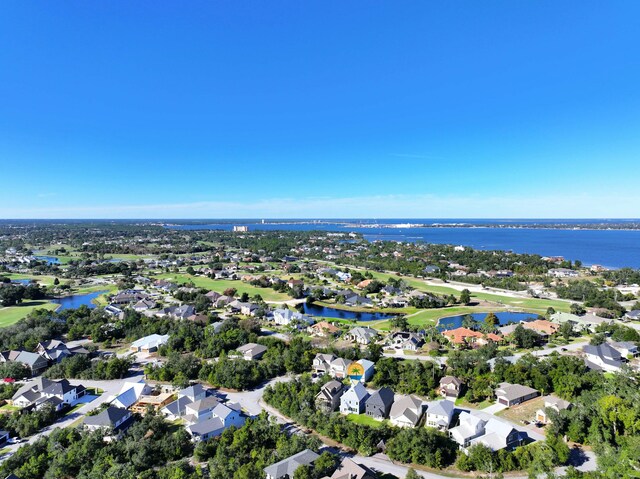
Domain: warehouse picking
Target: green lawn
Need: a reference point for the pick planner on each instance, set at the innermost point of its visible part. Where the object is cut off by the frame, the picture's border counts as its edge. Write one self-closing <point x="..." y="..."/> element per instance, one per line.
<point x="220" y="285"/>
<point x="13" y="314"/>
<point x="531" y="304"/>
<point x="46" y="280"/>
<point x="364" y="420"/>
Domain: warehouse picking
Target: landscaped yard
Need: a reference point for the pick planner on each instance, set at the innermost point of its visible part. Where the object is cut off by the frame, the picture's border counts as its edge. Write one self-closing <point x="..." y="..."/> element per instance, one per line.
<point x="364" y="420"/>
<point x="461" y="402"/>
<point x="220" y="285"/>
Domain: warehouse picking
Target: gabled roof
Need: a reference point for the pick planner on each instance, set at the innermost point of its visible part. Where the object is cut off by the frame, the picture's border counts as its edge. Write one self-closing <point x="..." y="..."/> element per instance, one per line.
<point x="358" y="390"/>
<point x="514" y="391"/>
<point x="208" y="427"/>
<point x="151" y="341"/>
<point x="383" y="396"/>
<point x="288" y="466"/>
<point x="409" y="407"/>
<point x="441" y="408"/>
<point x="107" y="418"/>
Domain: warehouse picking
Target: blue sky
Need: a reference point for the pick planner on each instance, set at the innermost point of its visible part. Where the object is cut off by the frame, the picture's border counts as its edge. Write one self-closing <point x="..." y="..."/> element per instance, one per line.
<point x="319" y="109"/>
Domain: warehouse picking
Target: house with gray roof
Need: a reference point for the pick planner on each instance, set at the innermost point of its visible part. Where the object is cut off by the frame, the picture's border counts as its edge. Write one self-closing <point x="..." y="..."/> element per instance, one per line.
<point x="485" y="429"/>
<point x="112" y="418"/>
<point x="252" y="351"/>
<point x="602" y="357"/>
<point x="286" y="468"/>
<point x="378" y="405"/>
<point x="513" y="394"/>
<point x="36" y="363"/>
<point x="406" y="411"/>
<point x="439" y="414"/>
<point x="204" y="430"/>
<point x="553" y="403"/>
<point x="328" y="399"/>
<point x="362" y="335"/>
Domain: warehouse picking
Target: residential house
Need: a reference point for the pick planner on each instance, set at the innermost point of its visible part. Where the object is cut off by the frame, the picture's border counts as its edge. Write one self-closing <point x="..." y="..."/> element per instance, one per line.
<point x="465" y="336"/>
<point x="362" y="370"/>
<point x="207" y="429"/>
<point x="178" y="408"/>
<point x="328" y="399"/>
<point x="36" y="363"/>
<point x="284" y="317"/>
<point x="53" y="350"/>
<point x="230" y="414"/>
<point x="541" y="326"/>
<point x="323" y="329"/>
<point x="348" y="469"/>
<point x="144" y="305"/>
<point x="378" y="405"/>
<point x="406" y="341"/>
<point x="513" y="394"/>
<point x="252" y="351"/>
<point x="110" y="419"/>
<point x="406" y="411"/>
<point x="362" y="335"/>
<point x="177" y="312"/>
<point x="149" y="344"/>
<point x="322" y="363"/>
<point x="353" y="401"/>
<point x="339" y="367"/>
<point x="357" y="300"/>
<point x="551" y="402"/>
<point x="130" y="393"/>
<point x="450" y="387"/>
<point x="633" y="315"/>
<point x="439" y="414"/>
<point x="602" y="357"/>
<point x="286" y="468"/>
<point x="485" y="429"/>
<point x="562" y="273"/>
<point x="627" y="349"/>
<point x="42" y="391"/>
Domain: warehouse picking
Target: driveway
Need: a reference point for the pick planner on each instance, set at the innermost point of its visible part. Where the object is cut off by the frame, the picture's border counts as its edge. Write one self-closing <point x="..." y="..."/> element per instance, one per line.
<point x="494" y="408"/>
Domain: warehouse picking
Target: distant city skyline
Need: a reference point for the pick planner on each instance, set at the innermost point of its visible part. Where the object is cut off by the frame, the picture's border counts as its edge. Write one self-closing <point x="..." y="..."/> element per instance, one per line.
<point x="166" y="110"/>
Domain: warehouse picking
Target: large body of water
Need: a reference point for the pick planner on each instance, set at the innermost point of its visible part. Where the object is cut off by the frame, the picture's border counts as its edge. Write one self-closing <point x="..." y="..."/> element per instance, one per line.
<point x="613" y="248"/>
<point x="76" y="300"/>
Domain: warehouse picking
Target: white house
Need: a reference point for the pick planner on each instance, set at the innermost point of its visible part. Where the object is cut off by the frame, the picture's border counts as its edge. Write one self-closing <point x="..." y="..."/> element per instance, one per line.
<point x="406" y="411"/>
<point x="353" y="401"/>
<point x="440" y="414"/>
<point x="149" y="344"/>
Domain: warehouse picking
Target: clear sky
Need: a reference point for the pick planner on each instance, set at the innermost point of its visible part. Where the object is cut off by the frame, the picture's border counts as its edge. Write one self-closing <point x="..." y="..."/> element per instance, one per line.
<point x="236" y="108"/>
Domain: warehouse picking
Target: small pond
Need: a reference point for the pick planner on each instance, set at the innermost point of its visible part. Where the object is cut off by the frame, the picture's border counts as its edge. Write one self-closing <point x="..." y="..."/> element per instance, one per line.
<point x="327" y="312"/>
<point x="48" y="259"/>
<point x="504" y="318"/>
<point x="77" y="300"/>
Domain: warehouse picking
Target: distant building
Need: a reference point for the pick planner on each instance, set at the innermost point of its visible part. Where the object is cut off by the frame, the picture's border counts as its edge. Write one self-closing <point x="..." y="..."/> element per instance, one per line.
<point x="240" y="229"/>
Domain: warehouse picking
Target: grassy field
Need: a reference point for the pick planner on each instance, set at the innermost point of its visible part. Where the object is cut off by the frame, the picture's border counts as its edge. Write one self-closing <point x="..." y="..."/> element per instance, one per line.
<point x="364" y="420"/>
<point x="13" y="314"/>
<point x="46" y="280"/>
<point x="220" y="285"/>
<point x="531" y="304"/>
